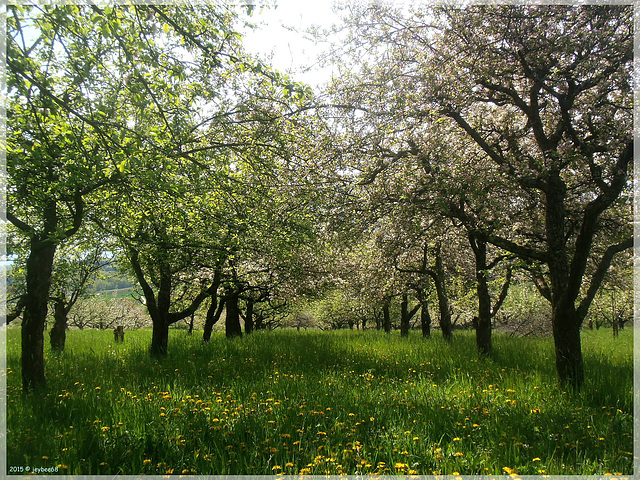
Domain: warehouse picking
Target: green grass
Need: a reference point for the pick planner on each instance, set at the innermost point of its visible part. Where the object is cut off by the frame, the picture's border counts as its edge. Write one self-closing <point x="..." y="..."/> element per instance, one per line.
<point x="321" y="402"/>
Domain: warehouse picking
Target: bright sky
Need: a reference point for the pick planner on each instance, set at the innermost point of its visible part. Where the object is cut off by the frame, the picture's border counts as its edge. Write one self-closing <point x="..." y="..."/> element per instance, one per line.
<point x="290" y="50"/>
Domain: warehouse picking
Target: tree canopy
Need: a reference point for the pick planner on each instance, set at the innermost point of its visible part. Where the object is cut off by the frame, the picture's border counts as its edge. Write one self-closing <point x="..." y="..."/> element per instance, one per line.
<point x="458" y="149"/>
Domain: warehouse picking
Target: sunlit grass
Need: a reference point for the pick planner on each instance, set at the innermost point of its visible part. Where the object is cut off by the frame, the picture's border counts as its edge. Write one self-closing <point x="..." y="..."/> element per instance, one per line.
<point x="288" y="402"/>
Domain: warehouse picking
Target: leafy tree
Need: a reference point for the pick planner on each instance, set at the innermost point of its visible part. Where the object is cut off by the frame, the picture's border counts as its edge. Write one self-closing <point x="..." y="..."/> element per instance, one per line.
<point x="92" y="92"/>
<point x="556" y="93"/>
<point x="57" y="152"/>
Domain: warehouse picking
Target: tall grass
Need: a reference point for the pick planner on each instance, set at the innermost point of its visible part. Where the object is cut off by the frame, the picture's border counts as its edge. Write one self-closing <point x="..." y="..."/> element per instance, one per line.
<point x="321" y="402"/>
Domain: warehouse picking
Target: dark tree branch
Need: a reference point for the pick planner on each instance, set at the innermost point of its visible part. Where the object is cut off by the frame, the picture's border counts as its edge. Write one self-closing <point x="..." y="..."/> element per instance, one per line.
<point x="503" y="293"/>
<point x="20" y="224"/>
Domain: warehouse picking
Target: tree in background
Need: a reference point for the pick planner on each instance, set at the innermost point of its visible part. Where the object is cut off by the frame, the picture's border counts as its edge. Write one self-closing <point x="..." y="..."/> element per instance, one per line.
<point x="540" y="99"/>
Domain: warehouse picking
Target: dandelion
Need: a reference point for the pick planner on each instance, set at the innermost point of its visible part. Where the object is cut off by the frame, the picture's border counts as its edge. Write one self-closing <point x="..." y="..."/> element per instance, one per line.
<point x="458" y="454"/>
<point x="457" y="439"/>
<point x="45" y="458"/>
<point x="537" y="459"/>
<point x="509" y="471"/>
<point x="455" y="473"/>
<point x="288" y="465"/>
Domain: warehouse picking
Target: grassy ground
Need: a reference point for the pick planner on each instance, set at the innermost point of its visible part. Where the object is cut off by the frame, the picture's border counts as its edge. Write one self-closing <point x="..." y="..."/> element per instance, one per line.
<point x="321" y="402"/>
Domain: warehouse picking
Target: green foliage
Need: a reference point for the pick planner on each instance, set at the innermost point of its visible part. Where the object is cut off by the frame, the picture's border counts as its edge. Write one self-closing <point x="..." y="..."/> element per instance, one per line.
<point x="321" y="402"/>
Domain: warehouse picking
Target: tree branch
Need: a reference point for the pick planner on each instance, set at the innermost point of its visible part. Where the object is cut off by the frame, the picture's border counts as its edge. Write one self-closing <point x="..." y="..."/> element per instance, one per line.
<point x="20" y="224"/>
<point x="599" y="274"/>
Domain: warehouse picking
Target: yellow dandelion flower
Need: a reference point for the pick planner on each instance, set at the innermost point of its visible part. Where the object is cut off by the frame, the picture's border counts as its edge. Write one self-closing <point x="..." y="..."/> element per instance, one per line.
<point x="457" y="439"/>
<point x="288" y="465"/>
<point x="458" y="454"/>
<point x="146" y="461"/>
<point x="537" y="459"/>
<point x="45" y="458"/>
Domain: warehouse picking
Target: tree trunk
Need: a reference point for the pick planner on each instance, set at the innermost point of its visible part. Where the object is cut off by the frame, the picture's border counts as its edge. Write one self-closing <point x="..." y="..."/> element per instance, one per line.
<point x="160" y="337"/>
<point x="39" y="269"/>
<point x="566" y="337"/>
<point x="232" y="323"/>
<point x="404" y="316"/>
<point x="58" y="332"/>
<point x="483" y="324"/>
<point x="425" y="320"/>
<point x="443" y="298"/>
<point x="386" y="318"/>
<point x="259" y="322"/>
<point x="191" y="323"/>
<point x="248" y="321"/>
<point x="213" y="315"/>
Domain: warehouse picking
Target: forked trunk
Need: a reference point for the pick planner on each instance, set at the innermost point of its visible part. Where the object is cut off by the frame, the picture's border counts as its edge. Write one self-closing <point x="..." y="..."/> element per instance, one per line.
<point x="213" y="315"/>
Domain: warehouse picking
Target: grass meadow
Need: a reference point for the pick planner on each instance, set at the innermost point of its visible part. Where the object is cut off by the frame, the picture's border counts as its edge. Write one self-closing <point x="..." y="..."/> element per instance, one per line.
<point x="340" y="402"/>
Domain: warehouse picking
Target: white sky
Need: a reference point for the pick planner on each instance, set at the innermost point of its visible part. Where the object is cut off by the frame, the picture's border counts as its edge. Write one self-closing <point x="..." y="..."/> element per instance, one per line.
<point x="290" y="51"/>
